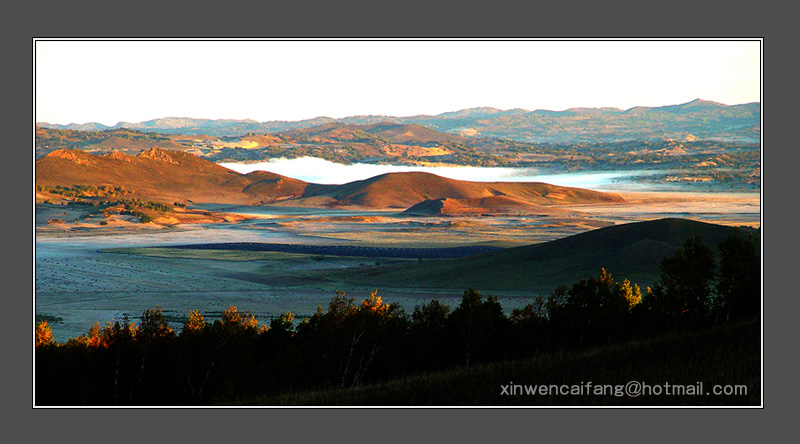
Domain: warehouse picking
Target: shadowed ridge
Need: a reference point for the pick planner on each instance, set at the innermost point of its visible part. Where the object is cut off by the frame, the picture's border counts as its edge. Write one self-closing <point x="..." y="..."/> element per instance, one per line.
<point x="632" y="251"/>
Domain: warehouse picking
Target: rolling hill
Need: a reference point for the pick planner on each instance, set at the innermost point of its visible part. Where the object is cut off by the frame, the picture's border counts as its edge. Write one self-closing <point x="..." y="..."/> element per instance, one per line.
<point x="404" y="190"/>
<point x="168" y="176"/>
<point x="632" y="251"/>
<point x="155" y="174"/>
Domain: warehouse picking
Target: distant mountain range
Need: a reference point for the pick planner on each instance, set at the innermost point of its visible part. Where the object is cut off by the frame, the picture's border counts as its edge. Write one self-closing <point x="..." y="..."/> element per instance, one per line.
<point x="696" y="119"/>
<point x="173" y="176"/>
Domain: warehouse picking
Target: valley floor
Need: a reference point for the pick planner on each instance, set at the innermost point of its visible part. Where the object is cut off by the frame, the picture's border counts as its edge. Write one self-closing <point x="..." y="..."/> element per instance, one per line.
<point x="88" y="273"/>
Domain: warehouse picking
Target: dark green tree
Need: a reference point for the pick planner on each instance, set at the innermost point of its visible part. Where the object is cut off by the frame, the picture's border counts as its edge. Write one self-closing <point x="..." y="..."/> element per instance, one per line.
<point x="479" y="326"/>
<point x="350" y="338"/>
<point x="595" y="310"/>
<point x="428" y="335"/>
<point x="739" y="286"/>
<point x="430" y="317"/>
<point x="683" y="293"/>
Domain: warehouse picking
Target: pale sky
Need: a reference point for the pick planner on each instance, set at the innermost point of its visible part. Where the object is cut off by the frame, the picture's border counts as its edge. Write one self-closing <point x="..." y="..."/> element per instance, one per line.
<point x="133" y="81"/>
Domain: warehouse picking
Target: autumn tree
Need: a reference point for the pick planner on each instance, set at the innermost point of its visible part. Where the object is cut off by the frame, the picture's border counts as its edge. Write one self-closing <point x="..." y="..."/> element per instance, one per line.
<point x="153" y="332"/>
<point x="118" y="338"/>
<point x="154" y="326"/>
<point x="283" y="324"/>
<point x="232" y="351"/>
<point x="232" y="323"/>
<point x="197" y="359"/>
<point x="44" y="335"/>
<point x="350" y="337"/>
<point x="195" y="323"/>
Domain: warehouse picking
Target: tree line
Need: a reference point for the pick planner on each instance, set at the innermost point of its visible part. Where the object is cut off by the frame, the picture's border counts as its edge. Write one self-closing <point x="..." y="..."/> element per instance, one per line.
<point x="358" y="342"/>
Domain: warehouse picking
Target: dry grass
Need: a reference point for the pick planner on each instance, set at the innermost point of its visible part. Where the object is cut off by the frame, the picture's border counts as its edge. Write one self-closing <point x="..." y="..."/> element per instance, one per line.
<point x="725" y="356"/>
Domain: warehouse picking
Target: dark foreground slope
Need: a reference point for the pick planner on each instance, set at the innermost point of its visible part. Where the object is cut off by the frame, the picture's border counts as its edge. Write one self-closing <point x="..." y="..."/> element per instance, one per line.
<point x="696" y="365"/>
<point x="632" y="251"/>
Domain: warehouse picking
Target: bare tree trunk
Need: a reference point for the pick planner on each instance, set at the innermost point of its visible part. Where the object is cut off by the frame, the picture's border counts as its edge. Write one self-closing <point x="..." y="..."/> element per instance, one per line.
<point x="139" y="381"/>
<point x="353" y="342"/>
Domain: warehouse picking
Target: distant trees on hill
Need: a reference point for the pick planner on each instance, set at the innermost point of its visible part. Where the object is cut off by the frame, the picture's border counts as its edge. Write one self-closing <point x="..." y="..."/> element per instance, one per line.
<point x="129" y="206"/>
<point x="85" y="191"/>
<point x="138" y="208"/>
<point x="51" y="139"/>
<point x="356" y="342"/>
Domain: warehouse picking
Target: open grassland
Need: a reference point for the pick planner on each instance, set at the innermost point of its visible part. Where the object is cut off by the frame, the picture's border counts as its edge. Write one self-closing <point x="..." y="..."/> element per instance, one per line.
<point x="216" y="255"/>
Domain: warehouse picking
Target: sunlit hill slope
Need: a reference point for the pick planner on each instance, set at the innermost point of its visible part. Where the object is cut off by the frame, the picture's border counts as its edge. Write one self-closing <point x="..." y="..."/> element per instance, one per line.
<point x="168" y="176"/>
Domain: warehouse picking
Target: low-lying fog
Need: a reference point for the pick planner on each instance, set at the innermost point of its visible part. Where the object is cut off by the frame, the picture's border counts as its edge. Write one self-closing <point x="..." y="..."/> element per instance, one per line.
<point x="316" y="170"/>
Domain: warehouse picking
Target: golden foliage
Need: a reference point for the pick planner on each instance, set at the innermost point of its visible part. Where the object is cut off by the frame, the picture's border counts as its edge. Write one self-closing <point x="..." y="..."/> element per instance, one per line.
<point x="95" y="337"/>
<point x="632" y="293"/>
<point x="374" y="304"/>
<point x="44" y="335"/>
<point x="232" y="319"/>
<point x="195" y="323"/>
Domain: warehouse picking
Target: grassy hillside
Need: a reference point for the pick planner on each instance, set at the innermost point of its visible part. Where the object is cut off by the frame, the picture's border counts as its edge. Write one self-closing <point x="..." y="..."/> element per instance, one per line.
<point x="727" y="356"/>
<point x="633" y="251"/>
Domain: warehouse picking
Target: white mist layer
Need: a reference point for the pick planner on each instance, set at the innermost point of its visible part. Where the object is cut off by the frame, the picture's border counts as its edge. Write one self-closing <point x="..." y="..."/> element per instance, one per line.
<point x="316" y="170"/>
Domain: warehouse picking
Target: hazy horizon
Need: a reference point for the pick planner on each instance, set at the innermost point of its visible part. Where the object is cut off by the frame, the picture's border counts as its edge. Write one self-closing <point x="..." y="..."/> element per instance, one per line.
<point x="380" y="115"/>
<point x="109" y="82"/>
